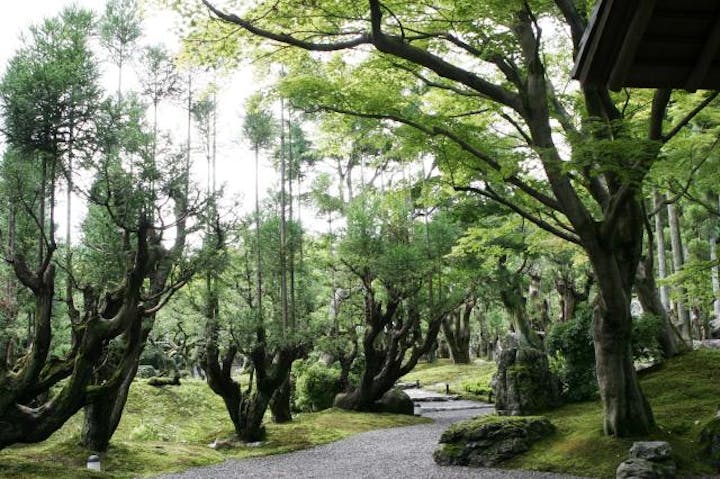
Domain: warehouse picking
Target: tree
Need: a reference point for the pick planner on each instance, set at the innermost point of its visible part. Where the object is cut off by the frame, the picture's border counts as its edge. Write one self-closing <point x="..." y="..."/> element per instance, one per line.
<point x="587" y="191"/>
<point x="384" y="252"/>
<point x="234" y="327"/>
<point x="160" y="80"/>
<point x="119" y="30"/>
<point x="258" y="129"/>
<point x="167" y="267"/>
<point x="53" y="113"/>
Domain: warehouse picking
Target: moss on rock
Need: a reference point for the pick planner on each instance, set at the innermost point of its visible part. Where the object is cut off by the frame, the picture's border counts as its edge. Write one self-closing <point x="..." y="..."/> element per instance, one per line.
<point x="710" y="440"/>
<point x="489" y="440"/>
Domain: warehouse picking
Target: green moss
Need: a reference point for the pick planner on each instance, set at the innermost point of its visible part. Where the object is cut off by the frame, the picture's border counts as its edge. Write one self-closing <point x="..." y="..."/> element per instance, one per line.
<point x="169" y="429"/>
<point x="470" y="381"/>
<point x="684" y="396"/>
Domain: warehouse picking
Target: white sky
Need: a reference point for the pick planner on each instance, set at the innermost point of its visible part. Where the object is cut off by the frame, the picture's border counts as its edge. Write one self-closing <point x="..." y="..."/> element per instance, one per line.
<point x="235" y="161"/>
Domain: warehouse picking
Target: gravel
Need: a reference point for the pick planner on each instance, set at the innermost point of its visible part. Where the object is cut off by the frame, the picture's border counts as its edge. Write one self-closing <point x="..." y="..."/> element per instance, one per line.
<point x="402" y="452"/>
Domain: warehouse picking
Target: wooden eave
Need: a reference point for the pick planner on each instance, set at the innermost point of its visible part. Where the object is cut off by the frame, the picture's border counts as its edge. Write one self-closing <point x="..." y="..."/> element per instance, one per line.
<point x="651" y="44"/>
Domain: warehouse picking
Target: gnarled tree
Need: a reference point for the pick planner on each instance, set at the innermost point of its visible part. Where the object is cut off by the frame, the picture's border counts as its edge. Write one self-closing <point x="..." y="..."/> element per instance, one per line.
<point x="484" y="63"/>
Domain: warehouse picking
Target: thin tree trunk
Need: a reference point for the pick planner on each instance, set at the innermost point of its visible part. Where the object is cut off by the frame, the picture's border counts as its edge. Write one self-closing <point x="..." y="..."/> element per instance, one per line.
<point x="715" y="270"/>
<point x="283" y="223"/>
<point x="668" y="336"/>
<point x="660" y="248"/>
<point x="683" y="315"/>
<point x="258" y="255"/>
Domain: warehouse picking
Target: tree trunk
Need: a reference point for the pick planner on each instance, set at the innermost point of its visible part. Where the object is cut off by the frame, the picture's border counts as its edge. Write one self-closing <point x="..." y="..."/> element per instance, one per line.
<point x="102" y="417"/>
<point x="389" y="354"/>
<point x="280" y="402"/>
<point x="456" y="329"/>
<point x="668" y="337"/>
<point x="626" y="410"/>
<point x="683" y="315"/>
<point x="660" y="248"/>
<point x="715" y="270"/>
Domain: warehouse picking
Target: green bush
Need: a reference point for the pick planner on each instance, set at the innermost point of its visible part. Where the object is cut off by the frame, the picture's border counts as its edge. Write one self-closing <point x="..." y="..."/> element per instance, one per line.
<point x="316" y="387"/>
<point x="645" y="346"/>
<point x="572" y="356"/>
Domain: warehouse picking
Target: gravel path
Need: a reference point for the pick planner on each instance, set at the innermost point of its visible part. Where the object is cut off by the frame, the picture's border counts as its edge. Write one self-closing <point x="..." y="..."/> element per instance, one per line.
<point x="402" y="452"/>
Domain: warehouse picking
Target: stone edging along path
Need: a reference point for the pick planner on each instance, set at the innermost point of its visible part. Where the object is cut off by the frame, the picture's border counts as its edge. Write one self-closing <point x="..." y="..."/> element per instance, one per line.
<point x="401" y="452"/>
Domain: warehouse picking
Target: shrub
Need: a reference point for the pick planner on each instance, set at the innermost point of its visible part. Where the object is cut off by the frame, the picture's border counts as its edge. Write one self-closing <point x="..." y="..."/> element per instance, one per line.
<point x="572" y="356"/>
<point x="645" y="346"/>
<point x="316" y="387"/>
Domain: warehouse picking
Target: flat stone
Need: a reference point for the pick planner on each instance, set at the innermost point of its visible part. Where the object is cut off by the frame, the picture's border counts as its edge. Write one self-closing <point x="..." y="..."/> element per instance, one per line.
<point x="636" y="468"/>
<point x="490" y="440"/>
<point x="651" y="450"/>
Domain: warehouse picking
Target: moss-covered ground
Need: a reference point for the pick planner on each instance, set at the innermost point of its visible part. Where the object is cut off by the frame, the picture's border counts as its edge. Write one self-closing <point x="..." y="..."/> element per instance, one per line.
<point x="684" y="394"/>
<point x="470" y="381"/>
<point x="169" y="429"/>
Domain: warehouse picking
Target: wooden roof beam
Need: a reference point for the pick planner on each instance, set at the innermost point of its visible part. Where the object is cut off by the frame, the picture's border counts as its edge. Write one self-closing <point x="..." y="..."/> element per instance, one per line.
<point x="628" y="50"/>
<point x="705" y="60"/>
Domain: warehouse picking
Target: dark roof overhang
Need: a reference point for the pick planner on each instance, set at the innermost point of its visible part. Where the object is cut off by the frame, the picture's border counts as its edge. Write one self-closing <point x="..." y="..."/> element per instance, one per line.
<point x="651" y="44"/>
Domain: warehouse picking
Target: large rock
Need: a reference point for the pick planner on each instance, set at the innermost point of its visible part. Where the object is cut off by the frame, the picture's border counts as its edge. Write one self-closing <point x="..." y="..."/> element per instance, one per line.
<point x="710" y="440"/>
<point x="523" y="384"/>
<point x="395" y="401"/>
<point x="488" y="440"/>
<point x="636" y="468"/>
<point x="648" y="460"/>
<point x="714" y="327"/>
<point x="651" y="450"/>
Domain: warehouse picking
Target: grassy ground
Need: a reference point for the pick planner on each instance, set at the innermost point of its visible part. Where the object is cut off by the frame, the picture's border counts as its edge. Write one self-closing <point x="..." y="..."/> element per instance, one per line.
<point x="470" y="381"/>
<point x="169" y="429"/>
<point x="684" y="394"/>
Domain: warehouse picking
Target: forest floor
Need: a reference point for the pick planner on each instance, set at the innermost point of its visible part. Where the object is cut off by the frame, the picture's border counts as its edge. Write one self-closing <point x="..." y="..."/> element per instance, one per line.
<point x="401" y="452"/>
<point x="468" y="381"/>
<point x="170" y="429"/>
<point x="684" y="394"/>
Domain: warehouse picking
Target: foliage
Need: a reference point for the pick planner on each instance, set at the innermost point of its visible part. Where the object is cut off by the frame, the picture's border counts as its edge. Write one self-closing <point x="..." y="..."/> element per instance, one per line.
<point x="316" y="387"/>
<point x="683" y="394"/>
<point x="570" y="346"/>
<point x="167" y="430"/>
<point x="644" y="337"/>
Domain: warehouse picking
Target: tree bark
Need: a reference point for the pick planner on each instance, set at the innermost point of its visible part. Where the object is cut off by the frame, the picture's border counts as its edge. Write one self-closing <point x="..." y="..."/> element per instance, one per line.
<point x="660" y="248"/>
<point x="626" y="410"/>
<point x="668" y="337"/>
<point x="683" y="315"/>
<point x="715" y="270"/>
<point x="390" y="351"/>
<point x="102" y="416"/>
<point x="280" y="402"/>
<point x="456" y="329"/>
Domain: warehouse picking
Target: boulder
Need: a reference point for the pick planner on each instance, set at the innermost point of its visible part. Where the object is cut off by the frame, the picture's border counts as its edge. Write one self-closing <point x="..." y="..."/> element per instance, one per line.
<point x="651" y="450"/>
<point x="488" y="440"/>
<point x="710" y="440"/>
<point x="648" y="460"/>
<point x="636" y="468"/>
<point x="714" y="327"/>
<point x="395" y="401"/>
<point x="343" y="401"/>
<point x="523" y="384"/>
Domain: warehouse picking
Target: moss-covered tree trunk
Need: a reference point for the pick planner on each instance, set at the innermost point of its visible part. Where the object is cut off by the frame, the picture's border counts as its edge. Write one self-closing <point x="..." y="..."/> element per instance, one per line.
<point x="389" y="348"/>
<point x="280" y="402"/>
<point x="456" y="329"/>
<point x="626" y="410"/>
<point x="668" y="337"/>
